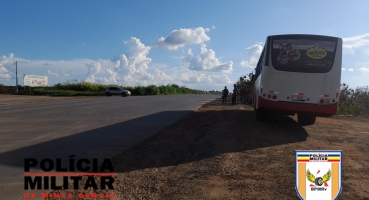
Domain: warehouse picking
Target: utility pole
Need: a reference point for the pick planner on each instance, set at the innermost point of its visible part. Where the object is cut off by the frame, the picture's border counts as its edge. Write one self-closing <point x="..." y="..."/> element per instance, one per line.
<point x="16" y="76"/>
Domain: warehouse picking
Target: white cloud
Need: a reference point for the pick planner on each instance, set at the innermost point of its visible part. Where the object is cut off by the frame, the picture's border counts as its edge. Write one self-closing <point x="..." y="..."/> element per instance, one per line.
<point x="360" y="43"/>
<point x="136" y="48"/>
<point x="131" y="68"/>
<point x="4" y="61"/>
<point x="204" y="78"/>
<point x="213" y="27"/>
<point x="253" y="53"/>
<point x="206" y="61"/>
<point x="190" y="78"/>
<point x="58" y="70"/>
<point x="182" y="37"/>
<point x="195" y="78"/>
<point x="21" y="61"/>
<point x="349" y="69"/>
<point x="162" y="76"/>
<point x="93" y="68"/>
<point x="4" y="74"/>
<point x="66" y="73"/>
<point x="49" y="73"/>
<point x="364" y="69"/>
<point x="221" y="79"/>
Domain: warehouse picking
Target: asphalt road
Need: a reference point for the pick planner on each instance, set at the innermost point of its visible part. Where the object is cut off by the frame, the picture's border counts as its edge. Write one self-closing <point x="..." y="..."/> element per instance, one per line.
<point x="88" y="128"/>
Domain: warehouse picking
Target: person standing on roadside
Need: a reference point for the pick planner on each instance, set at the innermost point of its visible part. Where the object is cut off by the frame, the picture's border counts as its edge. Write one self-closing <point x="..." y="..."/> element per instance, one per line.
<point x="238" y="94"/>
<point x="234" y="95"/>
<point x="249" y="95"/>
<point x="225" y="94"/>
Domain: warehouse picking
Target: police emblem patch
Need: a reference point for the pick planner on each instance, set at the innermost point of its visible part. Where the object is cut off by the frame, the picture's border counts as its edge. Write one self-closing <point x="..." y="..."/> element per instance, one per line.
<point x="318" y="174"/>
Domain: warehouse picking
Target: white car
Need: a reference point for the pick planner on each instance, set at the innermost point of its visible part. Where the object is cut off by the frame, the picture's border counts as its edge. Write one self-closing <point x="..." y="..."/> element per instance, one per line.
<point x="117" y="91"/>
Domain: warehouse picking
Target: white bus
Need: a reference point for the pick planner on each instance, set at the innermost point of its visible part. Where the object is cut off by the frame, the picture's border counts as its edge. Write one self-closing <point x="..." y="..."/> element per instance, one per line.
<point x="298" y="74"/>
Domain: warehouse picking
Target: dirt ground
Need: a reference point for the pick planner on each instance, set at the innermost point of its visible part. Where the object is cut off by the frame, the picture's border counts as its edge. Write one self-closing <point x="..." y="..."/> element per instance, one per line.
<point x="221" y="152"/>
<point x="6" y="99"/>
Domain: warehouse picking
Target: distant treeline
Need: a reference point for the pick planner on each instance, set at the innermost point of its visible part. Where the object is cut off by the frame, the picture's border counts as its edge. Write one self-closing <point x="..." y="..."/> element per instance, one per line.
<point x="95" y="89"/>
<point x="215" y="92"/>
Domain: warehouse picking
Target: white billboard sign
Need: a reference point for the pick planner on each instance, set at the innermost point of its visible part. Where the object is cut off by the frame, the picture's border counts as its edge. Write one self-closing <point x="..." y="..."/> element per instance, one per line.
<point x="35" y="81"/>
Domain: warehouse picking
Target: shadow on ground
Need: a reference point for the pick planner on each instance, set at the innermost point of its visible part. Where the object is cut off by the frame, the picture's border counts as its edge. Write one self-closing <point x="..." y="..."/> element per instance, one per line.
<point x="100" y="143"/>
<point x="205" y="134"/>
<point x="198" y="135"/>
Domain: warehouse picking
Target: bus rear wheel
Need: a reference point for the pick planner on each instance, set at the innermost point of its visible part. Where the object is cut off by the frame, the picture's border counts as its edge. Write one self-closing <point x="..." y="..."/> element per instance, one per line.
<point x="258" y="114"/>
<point x="311" y="118"/>
<point x="302" y="117"/>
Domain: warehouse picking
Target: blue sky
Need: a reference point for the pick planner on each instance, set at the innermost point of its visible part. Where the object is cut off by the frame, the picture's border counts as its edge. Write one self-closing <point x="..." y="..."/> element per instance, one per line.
<point x="199" y="44"/>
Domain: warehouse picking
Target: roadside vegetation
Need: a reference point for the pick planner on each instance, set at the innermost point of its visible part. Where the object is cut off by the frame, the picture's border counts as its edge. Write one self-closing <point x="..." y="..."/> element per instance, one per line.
<point x="354" y="101"/>
<point x="74" y="88"/>
<point x="246" y="82"/>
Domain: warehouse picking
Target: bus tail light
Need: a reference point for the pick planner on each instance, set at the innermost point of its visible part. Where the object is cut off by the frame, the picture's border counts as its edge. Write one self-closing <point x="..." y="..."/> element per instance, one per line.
<point x="326" y="95"/>
<point x="333" y="100"/>
<point x="321" y="100"/>
<point x="336" y="94"/>
<point x="274" y="97"/>
<point x="327" y="101"/>
<point x="269" y="96"/>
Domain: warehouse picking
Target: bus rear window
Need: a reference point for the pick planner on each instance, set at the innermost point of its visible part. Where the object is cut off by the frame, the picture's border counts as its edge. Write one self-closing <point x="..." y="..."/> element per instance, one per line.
<point x="303" y="55"/>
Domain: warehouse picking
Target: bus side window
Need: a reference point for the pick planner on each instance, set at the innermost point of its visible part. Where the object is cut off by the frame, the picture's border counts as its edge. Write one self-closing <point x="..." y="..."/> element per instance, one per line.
<point x="267" y="50"/>
<point x="259" y="65"/>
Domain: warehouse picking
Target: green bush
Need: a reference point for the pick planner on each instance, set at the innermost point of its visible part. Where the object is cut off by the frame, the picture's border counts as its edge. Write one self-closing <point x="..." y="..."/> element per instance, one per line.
<point x="82" y="86"/>
<point x="175" y="86"/>
<point x="151" y="90"/>
<point x="58" y="92"/>
<point x="163" y="89"/>
<point x="171" y="89"/>
<point x="138" y="90"/>
<point x="354" y="102"/>
<point x="7" y="90"/>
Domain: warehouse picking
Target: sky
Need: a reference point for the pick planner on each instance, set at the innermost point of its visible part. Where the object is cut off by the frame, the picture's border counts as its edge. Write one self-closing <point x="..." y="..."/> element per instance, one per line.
<point x="202" y="44"/>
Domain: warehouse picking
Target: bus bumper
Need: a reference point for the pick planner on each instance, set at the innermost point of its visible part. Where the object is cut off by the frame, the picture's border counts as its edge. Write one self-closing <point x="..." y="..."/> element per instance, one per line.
<point x="323" y="110"/>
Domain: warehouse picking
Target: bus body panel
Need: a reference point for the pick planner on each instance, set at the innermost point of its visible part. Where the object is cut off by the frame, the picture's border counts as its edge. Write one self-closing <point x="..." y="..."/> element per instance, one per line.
<point x="286" y="86"/>
<point x="320" y="110"/>
<point x="256" y="92"/>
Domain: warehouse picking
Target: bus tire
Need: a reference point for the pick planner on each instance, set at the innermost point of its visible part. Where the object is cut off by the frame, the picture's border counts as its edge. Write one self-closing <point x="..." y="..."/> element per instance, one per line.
<point x="259" y="115"/>
<point x="302" y="117"/>
<point x="266" y="115"/>
<point x="311" y="118"/>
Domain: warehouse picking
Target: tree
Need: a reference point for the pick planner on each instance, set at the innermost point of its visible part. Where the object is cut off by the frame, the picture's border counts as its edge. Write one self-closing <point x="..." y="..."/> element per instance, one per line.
<point x="246" y="82"/>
